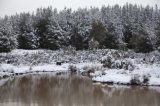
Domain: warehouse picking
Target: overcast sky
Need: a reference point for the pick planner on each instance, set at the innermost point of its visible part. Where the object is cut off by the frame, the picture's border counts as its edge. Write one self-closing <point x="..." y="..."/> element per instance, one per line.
<point x="9" y="7"/>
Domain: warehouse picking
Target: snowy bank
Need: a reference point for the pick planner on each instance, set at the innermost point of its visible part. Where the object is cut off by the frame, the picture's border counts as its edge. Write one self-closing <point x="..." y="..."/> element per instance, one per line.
<point x="143" y="75"/>
<point x="106" y="66"/>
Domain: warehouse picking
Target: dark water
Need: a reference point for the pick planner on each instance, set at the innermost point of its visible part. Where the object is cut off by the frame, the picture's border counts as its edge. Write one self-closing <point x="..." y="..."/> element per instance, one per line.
<point x="48" y="90"/>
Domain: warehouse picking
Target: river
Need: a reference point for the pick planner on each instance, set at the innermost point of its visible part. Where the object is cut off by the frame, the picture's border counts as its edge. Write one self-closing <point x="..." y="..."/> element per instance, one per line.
<point x="65" y="90"/>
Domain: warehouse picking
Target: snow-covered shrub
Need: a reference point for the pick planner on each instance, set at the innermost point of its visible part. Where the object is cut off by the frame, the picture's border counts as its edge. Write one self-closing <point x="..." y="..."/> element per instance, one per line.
<point x="107" y="61"/>
<point x="149" y="58"/>
<point x="93" y="45"/>
<point x="146" y="78"/>
<point x="88" y="70"/>
<point x="116" y="54"/>
<point x="127" y="65"/>
<point x="123" y="64"/>
<point x="73" y="69"/>
<point x="140" y="80"/>
<point x="117" y="64"/>
<point x="135" y="80"/>
<point x="110" y="62"/>
<point x="153" y="57"/>
<point x="87" y="73"/>
<point x="69" y="50"/>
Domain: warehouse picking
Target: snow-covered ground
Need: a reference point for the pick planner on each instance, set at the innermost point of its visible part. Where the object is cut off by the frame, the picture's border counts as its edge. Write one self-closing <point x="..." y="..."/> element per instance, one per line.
<point x="107" y="66"/>
<point x="121" y="76"/>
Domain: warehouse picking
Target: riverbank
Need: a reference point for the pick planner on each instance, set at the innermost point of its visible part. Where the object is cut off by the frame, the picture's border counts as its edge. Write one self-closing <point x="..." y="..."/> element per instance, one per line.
<point x="104" y="66"/>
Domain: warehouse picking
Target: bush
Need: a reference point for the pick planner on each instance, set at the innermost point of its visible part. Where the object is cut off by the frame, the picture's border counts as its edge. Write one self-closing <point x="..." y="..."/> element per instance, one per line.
<point x="72" y="69"/>
<point x="107" y="61"/>
<point x="146" y="79"/>
<point x="110" y="62"/>
<point x="135" y="80"/>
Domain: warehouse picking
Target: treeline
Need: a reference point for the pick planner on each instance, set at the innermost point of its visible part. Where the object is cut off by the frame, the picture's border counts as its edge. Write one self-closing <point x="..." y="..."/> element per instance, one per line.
<point x="115" y="27"/>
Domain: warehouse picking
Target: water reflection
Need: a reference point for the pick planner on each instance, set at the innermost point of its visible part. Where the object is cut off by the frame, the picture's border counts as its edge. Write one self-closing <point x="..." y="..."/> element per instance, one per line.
<point x="48" y="90"/>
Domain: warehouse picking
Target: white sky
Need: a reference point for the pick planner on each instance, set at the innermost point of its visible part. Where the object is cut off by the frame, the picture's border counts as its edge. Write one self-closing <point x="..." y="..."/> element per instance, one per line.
<point x="9" y="7"/>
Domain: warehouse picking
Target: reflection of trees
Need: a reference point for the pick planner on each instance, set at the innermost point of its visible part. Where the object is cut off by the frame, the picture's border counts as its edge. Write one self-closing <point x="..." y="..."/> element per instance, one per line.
<point x="48" y="90"/>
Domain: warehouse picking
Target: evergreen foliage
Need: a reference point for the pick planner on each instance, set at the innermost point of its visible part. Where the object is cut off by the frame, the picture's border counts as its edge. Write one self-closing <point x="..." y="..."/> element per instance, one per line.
<point x="115" y="27"/>
<point x="98" y="33"/>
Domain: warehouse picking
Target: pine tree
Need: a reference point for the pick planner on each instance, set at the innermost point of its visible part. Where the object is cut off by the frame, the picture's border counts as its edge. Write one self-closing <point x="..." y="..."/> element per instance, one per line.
<point x="52" y="35"/>
<point x="81" y="26"/>
<point x="98" y="33"/>
<point x="65" y="23"/>
<point x="76" y="39"/>
<point x="7" y="38"/>
<point x="41" y="22"/>
<point x="113" y="27"/>
<point x="140" y="41"/>
<point x="4" y="41"/>
<point x="27" y="39"/>
<point x="158" y="36"/>
<point x="111" y="37"/>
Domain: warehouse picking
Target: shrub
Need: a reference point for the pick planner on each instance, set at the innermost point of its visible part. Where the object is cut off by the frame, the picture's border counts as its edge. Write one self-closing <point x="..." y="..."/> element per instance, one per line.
<point x="135" y="80"/>
<point x="110" y="62"/>
<point x="72" y="69"/>
<point x="146" y="79"/>
<point x="107" y="61"/>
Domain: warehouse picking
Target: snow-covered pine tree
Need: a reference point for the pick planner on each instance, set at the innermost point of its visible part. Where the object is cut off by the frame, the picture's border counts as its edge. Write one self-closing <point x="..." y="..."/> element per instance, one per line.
<point x="49" y="29"/>
<point x="41" y="23"/>
<point x="27" y="38"/>
<point x="65" y="23"/>
<point x="7" y="38"/>
<point x="111" y="41"/>
<point x="98" y="33"/>
<point x="80" y="29"/>
<point x="140" y="41"/>
<point x="158" y="36"/>
<point x="116" y="19"/>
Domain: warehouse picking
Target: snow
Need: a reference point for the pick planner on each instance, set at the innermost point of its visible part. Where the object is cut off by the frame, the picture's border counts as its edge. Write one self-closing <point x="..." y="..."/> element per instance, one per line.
<point x="120" y="76"/>
<point x="87" y="65"/>
<point x="23" y="52"/>
<point x="115" y="78"/>
<point x="24" y="69"/>
<point x="154" y="81"/>
<point x="83" y="62"/>
<point x="46" y="68"/>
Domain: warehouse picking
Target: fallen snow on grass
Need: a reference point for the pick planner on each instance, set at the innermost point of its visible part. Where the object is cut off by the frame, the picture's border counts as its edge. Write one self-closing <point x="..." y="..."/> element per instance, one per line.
<point x="121" y="76"/>
<point x="9" y="68"/>
<point x="23" y="52"/>
<point x="24" y="69"/>
<point x="108" y="66"/>
<point x="113" y="78"/>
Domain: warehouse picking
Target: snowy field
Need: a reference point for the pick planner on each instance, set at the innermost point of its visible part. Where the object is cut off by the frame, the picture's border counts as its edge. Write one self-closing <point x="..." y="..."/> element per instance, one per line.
<point x="105" y="66"/>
